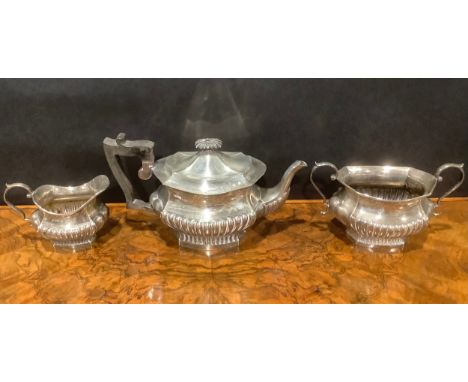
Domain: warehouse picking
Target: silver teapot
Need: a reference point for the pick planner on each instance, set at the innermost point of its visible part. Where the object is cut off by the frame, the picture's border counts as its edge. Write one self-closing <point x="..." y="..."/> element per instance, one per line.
<point x="68" y="216"/>
<point x="382" y="205"/>
<point x="208" y="197"/>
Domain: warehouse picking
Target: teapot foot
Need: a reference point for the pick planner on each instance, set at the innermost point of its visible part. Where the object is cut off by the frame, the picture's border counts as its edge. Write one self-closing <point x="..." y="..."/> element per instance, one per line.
<point x="73" y="245"/>
<point x="376" y="244"/>
<point x="210" y="244"/>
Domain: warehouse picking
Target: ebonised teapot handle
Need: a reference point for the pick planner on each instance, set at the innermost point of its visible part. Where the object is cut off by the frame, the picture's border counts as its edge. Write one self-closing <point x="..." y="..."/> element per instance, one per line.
<point x="126" y="148"/>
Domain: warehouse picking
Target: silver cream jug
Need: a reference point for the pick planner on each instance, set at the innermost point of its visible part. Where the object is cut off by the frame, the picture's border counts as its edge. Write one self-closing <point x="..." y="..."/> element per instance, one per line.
<point x="70" y="217"/>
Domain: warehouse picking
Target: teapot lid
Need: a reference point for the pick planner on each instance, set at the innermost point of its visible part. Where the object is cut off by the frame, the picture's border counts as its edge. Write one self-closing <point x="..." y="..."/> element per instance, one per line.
<point x="208" y="171"/>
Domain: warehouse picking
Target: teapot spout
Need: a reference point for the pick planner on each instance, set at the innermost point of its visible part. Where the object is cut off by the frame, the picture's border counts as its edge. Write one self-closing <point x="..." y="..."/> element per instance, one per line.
<point x="273" y="198"/>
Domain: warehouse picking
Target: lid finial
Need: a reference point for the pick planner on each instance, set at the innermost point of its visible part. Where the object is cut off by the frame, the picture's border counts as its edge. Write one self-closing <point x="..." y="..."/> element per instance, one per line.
<point x="208" y="144"/>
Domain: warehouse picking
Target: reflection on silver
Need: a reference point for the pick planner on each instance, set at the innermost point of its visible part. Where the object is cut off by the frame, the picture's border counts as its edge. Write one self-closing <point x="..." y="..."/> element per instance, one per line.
<point x="382" y="205"/>
<point x="208" y="197"/>
<point x="68" y="216"/>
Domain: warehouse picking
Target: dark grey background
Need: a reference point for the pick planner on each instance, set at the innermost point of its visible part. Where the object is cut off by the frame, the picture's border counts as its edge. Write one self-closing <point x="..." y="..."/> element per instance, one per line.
<point x="52" y="129"/>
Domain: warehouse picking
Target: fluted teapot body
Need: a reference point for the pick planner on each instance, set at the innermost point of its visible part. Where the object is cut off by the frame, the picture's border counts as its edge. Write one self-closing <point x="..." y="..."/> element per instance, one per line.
<point x="208" y="197"/>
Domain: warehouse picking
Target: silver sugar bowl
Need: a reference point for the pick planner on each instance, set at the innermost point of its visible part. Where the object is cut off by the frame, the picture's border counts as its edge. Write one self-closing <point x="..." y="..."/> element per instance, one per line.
<point x="68" y="216"/>
<point x="208" y="197"/>
<point x="381" y="206"/>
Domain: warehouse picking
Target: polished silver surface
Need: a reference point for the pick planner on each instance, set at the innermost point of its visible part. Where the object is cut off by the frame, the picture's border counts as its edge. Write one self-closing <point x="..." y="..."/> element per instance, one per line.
<point x="208" y="197"/>
<point x="68" y="216"/>
<point x="208" y="171"/>
<point x="381" y="206"/>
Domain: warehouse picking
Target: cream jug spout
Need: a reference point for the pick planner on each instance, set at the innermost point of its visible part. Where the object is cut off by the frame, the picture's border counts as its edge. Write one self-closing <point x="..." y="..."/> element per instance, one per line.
<point x="273" y="198"/>
<point x="78" y="198"/>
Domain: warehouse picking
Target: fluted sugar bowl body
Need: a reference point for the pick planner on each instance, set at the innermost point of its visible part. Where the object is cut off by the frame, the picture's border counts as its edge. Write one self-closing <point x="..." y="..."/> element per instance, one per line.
<point x="381" y="206"/>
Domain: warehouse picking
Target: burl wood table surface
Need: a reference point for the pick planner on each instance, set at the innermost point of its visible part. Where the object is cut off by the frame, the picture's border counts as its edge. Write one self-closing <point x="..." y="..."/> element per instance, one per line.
<point x="294" y="255"/>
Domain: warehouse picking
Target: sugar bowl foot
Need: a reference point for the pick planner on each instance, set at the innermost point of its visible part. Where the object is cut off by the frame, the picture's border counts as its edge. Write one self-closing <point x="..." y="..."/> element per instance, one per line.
<point x="376" y="244"/>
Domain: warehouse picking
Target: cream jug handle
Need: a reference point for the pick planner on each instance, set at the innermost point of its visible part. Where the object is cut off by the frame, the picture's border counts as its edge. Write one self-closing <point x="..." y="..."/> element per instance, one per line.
<point x="326" y="202"/>
<point x="440" y="179"/>
<point x="10" y="204"/>
<point x="123" y="147"/>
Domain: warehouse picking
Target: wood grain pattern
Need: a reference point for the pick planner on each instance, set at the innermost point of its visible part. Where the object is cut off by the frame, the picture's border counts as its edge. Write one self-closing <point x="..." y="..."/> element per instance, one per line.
<point x="292" y="256"/>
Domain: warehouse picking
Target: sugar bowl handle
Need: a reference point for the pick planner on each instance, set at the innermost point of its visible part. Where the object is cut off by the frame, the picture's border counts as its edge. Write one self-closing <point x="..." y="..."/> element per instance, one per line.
<point x="326" y="202"/>
<point x="143" y="149"/>
<point x="10" y="204"/>
<point x="439" y="178"/>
